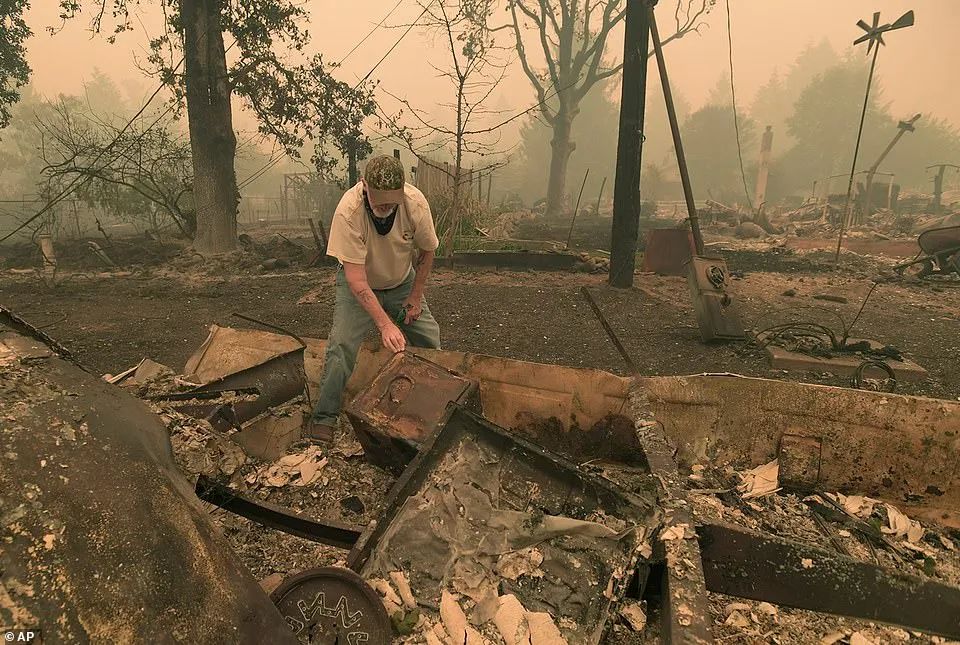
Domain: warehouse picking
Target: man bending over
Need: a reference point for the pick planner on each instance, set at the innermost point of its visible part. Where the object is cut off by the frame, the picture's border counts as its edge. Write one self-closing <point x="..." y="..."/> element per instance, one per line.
<point x="383" y="234"/>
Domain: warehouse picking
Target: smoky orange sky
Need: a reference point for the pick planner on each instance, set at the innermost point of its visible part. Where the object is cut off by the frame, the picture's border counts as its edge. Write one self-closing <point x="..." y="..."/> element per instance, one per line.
<point x="918" y="66"/>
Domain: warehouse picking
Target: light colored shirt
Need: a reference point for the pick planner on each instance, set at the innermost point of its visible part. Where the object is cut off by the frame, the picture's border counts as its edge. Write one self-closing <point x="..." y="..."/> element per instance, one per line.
<point x="388" y="258"/>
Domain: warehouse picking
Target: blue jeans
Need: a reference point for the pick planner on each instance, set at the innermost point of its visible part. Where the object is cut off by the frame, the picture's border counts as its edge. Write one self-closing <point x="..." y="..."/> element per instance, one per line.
<point x="351" y="324"/>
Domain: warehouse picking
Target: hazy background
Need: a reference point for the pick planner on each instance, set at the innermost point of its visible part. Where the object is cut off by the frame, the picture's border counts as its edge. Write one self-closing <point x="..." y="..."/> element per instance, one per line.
<point x="917" y="71"/>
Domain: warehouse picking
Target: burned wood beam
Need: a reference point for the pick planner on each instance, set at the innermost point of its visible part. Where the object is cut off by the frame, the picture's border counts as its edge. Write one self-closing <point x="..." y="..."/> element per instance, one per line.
<point x="342" y="536"/>
<point x="740" y="563"/>
<point x="686" y="611"/>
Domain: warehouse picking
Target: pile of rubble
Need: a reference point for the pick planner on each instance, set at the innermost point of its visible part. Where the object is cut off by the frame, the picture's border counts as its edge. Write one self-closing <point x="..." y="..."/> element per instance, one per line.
<point x="470" y="546"/>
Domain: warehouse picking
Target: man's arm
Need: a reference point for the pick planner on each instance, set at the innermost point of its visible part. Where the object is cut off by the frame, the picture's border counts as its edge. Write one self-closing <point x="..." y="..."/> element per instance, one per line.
<point x="423" y="267"/>
<point x="414" y="302"/>
<point x="356" y="275"/>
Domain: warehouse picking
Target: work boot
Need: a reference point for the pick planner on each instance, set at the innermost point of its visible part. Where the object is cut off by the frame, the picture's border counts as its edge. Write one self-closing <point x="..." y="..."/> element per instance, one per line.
<point x="317" y="431"/>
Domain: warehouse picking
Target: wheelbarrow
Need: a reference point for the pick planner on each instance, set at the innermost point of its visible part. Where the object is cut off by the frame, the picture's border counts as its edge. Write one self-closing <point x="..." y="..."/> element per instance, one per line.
<point x="939" y="253"/>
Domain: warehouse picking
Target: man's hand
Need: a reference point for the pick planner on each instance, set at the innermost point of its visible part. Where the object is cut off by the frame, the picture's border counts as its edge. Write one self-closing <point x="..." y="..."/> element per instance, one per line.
<point x="414" y="308"/>
<point x="393" y="339"/>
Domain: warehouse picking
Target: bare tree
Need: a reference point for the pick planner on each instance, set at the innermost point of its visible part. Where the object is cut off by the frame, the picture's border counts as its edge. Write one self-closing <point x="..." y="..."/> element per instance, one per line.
<point x="293" y="101"/>
<point x="151" y="171"/>
<point x="474" y="66"/>
<point x="572" y="36"/>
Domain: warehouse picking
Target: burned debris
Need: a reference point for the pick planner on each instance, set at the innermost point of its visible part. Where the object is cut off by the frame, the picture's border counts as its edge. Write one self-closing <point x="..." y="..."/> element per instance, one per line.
<point x="685" y="413"/>
<point x="491" y="534"/>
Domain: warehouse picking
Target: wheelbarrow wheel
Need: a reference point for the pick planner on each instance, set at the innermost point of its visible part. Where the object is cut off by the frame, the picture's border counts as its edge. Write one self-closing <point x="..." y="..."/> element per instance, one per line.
<point x="916" y="269"/>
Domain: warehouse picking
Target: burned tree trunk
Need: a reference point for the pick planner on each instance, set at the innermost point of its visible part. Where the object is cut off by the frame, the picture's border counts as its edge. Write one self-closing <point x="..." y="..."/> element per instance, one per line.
<point x="562" y="148"/>
<point x="353" y="175"/>
<point x="212" y="138"/>
<point x="626" y="191"/>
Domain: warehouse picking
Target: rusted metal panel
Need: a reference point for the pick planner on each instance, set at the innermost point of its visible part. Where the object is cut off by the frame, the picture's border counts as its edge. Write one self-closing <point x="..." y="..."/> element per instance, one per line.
<point x="476" y="492"/>
<point x="740" y="563"/>
<point x="403" y="405"/>
<point x="277" y="380"/>
<point x="667" y="250"/>
<point x="901" y="449"/>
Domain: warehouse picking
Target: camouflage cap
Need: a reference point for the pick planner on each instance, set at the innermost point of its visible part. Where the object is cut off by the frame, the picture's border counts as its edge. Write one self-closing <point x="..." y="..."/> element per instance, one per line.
<point x="384" y="173"/>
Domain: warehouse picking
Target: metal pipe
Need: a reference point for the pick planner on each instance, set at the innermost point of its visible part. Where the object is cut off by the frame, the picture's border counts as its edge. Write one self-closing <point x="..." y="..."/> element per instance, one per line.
<point x="576" y="209"/>
<point x="675" y="130"/>
<point x="856" y="152"/>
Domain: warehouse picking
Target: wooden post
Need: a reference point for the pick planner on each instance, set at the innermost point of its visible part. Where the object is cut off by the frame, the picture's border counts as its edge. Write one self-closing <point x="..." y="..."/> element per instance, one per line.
<point x="489" y="187"/>
<point x="600" y="196"/>
<point x="763" y="172"/>
<point x="626" y="192"/>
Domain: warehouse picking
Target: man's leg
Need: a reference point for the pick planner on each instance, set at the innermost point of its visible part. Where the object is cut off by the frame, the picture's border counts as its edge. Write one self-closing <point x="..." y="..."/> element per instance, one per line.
<point x="351" y="323"/>
<point x="423" y="332"/>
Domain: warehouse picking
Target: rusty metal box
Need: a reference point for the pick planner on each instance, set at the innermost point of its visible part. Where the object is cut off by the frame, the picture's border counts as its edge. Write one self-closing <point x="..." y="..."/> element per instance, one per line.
<point x="402" y="406"/>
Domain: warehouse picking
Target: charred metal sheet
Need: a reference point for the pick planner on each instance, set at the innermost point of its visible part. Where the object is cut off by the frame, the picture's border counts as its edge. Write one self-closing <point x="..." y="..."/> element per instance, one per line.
<point x="342" y="536"/>
<point x="685" y="615"/>
<point x="741" y="563"/>
<point x="403" y="405"/>
<point x="221" y="416"/>
<point x="799" y="459"/>
<point x="278" y="380"/>
<point x="89" y="488"/>
<point x="333" y="605"/>
<point x="496" y="497"/>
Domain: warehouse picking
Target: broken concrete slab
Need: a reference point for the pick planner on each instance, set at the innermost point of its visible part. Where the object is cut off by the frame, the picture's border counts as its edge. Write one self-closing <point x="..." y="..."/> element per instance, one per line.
<point x="841" y="365"/>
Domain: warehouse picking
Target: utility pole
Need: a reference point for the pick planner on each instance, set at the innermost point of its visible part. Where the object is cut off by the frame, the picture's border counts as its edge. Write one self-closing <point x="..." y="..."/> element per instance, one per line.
<point x="626" y="191"/>
<point x="902" y="128"/>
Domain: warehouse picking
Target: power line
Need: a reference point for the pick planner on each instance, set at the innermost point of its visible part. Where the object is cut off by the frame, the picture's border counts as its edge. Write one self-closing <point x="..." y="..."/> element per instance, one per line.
<point x="378" y="25"/>
<point x="389" y="51"/>
<point x="256" y="175"/>
<point x="736" y="119"/>
<point x="274" y="160"/>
